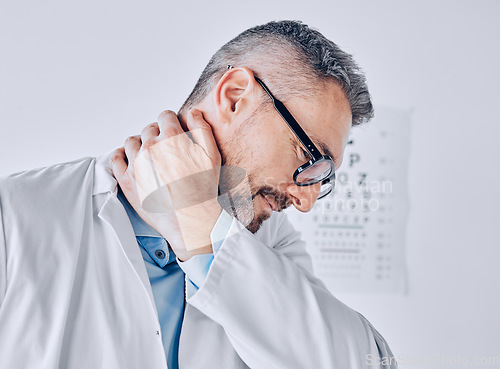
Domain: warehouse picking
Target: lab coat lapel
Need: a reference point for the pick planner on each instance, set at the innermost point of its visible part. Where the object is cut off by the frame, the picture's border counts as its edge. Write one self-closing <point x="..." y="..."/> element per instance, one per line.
<point x="114" y="214"/>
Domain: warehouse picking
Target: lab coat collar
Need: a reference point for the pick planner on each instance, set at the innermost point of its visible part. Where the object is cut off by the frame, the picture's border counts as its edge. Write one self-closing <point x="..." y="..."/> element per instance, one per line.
<point x="113" y="213"/>
<point x="104" y="181"/>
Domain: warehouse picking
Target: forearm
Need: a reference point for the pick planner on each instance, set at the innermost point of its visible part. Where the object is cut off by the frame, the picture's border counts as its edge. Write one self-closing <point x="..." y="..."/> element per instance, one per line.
<point x="277" y="317"/>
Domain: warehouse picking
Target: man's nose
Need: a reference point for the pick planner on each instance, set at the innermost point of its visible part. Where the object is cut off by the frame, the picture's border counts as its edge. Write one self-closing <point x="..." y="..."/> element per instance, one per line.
<point x="304" y="197"/>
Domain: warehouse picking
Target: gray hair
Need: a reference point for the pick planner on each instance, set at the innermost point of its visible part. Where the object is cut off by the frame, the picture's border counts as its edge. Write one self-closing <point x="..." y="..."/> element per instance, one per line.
<point x="293" y="59"/>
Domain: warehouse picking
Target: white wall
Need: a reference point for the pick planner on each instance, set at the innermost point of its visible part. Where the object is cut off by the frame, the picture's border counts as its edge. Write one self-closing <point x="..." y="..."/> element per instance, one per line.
<point x="77" y="79"/>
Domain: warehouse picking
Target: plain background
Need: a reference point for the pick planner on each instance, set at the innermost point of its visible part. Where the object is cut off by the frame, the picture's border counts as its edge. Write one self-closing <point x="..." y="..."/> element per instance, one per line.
<point x="77" y="78"/>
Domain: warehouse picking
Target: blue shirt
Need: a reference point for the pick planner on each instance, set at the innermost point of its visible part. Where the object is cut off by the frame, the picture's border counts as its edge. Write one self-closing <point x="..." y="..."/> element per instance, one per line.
<point x="167" y="275"/>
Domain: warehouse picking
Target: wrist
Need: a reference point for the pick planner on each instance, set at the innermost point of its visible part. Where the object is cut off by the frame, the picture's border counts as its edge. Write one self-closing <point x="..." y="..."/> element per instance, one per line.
<point x="186" y="255"/>
<point x="196" y="223"/>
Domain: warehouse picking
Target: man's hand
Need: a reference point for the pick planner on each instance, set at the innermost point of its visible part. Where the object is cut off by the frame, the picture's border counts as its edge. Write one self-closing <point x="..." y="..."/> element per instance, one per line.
<point x="171" y="180"/>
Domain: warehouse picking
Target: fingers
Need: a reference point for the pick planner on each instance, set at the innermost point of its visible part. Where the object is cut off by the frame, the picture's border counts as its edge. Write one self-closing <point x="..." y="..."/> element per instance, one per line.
<point x="202" y="132"/>
<point x="118" y="163"/>
<point x="132" y="147"/>
<point x="122" y="159"/>
<point x="149" y="134"/>
<point x="169" y="124"/>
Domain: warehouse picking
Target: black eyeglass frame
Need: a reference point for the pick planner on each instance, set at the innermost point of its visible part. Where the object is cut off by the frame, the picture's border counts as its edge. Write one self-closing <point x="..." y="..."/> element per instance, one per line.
<point x="305" y="141"/>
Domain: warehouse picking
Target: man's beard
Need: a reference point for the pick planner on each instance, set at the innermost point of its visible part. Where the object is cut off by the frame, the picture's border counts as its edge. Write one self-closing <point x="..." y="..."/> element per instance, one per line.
<point x="236" y="197"/>
<point x="237" y="193"/>
<point x="237" y="187"/>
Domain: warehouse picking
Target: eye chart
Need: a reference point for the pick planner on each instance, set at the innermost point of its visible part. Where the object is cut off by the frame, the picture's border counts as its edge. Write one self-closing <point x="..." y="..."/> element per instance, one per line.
<point x="356" y="235"/>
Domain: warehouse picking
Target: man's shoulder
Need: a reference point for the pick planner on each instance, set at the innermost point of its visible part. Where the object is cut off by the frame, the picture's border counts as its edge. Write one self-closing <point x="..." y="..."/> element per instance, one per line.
<point x="46" y="174"/>
<point x="48" y="183"/>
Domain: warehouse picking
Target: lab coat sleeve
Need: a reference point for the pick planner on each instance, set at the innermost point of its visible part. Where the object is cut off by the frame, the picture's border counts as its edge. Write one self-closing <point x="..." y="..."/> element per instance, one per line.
<point x="197" y="267"/>
<point x="276" y="314"/>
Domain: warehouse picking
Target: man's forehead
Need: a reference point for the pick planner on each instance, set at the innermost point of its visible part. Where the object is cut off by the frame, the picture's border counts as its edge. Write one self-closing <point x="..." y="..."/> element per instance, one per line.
<point x="326" y="119"/>
<point x="331" y="132"/>
<point x="331" y="143"/>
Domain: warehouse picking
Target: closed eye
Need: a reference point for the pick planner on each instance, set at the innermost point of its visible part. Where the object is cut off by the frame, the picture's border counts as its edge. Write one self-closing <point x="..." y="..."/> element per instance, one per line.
<point x="306" y="154"/>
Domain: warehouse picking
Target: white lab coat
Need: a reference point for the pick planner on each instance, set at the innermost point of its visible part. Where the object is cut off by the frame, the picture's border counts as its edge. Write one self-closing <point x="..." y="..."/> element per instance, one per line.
<point x="74" y="291"/>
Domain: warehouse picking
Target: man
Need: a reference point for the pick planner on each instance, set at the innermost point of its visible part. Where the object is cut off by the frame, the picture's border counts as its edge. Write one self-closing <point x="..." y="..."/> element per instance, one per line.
<point x="164" y="255"/>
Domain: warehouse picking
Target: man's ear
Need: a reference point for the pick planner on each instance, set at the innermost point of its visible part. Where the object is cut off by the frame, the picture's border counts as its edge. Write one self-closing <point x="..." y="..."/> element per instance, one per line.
<point x="235" y="94"/>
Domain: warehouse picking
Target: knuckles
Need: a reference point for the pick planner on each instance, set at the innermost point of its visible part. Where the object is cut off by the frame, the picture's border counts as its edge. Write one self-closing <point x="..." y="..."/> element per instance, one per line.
<point x="169" y="131"/>
<point x="131" y="138"/>
<point x="167" y="114"/>
<point x="117" y="155"/>
<point x="135" y="141"/>
<point x="169" y="124"/>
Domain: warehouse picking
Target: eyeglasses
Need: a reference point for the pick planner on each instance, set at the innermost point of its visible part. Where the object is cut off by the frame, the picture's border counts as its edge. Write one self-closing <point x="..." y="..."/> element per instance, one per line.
<point x="320" y="168"/>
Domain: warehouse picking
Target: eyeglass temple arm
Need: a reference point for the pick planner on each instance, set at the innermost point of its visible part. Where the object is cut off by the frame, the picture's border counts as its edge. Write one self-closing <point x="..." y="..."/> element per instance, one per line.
<point x="292" y="123"/>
